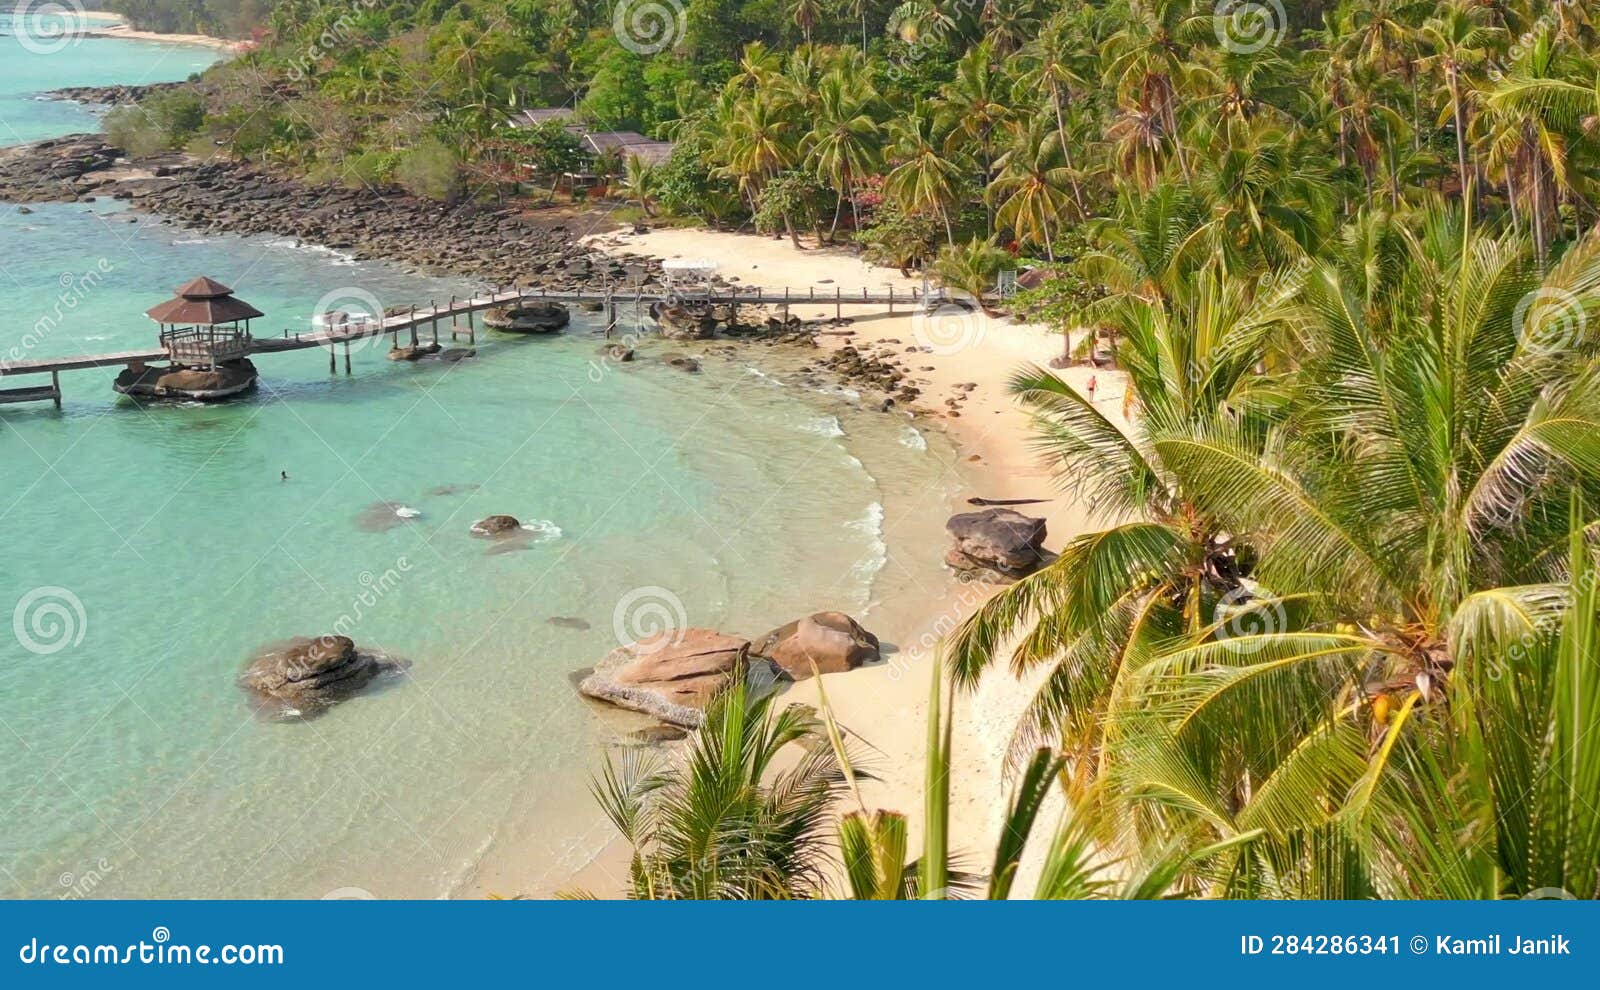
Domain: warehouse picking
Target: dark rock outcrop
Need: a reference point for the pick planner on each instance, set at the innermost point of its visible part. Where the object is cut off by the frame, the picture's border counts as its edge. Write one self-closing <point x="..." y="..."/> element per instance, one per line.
<point x="497" y="526"/>
<point x="302" y="678"/>
<point x="1000" y="543"/>
<point x="532" y="317"/>
<point x="204" y="384"/>
<point x="833" y="641"/>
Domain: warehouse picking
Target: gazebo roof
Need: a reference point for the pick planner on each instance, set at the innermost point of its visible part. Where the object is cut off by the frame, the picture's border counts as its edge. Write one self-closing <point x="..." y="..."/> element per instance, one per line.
<point x="203" y="302"/>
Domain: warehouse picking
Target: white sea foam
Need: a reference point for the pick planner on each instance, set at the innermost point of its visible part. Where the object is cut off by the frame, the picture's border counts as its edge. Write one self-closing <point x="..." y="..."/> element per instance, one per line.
<point x="407" y="512"/>
<point x="913" y="438"/>
<point x="764" y="376"/>
<point x="544" y="529"/>
<point x="825" y="426"/>
<point x="868" y="566"/>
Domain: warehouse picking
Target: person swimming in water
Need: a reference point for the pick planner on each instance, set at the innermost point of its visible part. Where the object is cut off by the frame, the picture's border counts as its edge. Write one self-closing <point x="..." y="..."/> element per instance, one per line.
<point x="284" y="475"/>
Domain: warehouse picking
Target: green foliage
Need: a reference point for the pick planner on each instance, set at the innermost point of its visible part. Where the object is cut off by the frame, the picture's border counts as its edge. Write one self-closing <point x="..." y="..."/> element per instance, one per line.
<point x="164" y="122"/>
<point x="431" y="170"/>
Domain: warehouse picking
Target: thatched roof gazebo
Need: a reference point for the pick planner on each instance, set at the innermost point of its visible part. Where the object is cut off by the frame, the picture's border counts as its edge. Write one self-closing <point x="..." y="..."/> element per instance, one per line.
<point x="201" y="326"/>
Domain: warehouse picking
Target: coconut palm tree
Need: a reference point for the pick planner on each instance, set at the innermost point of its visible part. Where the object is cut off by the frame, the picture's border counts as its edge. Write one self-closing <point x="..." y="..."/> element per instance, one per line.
<point x="977" y="106"/>
<point x="1459" y="42"/>
<point x="1034" y="186"/>
<point x="720" y="821"/>
<point x="924" y="179"/>
<point x="843" y="147"/>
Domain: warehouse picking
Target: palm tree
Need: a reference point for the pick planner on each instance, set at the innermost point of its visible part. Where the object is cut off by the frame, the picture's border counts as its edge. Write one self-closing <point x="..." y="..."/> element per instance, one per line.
<point x="1190" y="355"/>
<point x="758" y="143"/>
<point x="843" y="148"/>
<point x="805" y="14"/>
<point x="971" y="267"/>
<point x="977" y="107"/>
<point x="1459" y="42"/>
<point x="720" y="821"/>
<point x="924" y="178"/>
<point x="1034" y="187"/>
<point x="640" y="182"/>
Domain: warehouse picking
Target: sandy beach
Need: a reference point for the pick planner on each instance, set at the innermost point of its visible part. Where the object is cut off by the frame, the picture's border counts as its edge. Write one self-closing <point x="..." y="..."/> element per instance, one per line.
<point x="884" y="707"/>
<point x="104" y="24"/>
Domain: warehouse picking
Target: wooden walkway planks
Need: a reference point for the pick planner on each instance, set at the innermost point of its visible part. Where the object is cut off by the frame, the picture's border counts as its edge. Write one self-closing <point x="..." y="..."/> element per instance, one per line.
<point x="409" y="322"/>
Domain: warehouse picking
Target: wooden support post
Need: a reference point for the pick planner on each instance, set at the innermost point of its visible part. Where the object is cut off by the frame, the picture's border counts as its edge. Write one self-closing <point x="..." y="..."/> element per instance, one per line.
<point x="472" y="329"/>
<point x="347" y="355"/>
<point x="891" y="300"/>
<point x="413" y="322"/>
<point x="55" y="384"/>
<point x="838" y="303"/>
<point x="333" y="360"/>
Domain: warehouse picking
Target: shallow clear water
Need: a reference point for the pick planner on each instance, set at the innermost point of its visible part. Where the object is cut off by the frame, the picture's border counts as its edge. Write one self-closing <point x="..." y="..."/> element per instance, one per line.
<point x="146" y="552"/>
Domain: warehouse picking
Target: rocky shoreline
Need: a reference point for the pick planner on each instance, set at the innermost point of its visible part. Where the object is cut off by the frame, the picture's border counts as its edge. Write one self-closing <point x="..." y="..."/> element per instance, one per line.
<point x="496" y="245"/>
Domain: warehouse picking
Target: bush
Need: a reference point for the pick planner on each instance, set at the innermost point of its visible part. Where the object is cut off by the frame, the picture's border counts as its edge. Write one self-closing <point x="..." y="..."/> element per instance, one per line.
<point x="430" y="170"/>
<point x="163" y="122"/>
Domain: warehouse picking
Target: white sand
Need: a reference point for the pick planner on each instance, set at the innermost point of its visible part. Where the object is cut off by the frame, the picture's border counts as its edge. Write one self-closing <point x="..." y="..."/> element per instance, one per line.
<point x="104" y="24"/>
<point x="885" y="707"/>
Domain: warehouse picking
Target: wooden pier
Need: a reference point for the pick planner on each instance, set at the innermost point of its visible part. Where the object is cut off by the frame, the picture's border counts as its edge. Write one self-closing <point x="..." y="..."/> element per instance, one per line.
<point x="610" y="297"/>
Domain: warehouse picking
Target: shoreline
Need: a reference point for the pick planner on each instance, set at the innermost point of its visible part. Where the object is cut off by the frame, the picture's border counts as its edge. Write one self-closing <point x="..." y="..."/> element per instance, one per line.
<point x="105" y="24"/>
<point x="960" y="390"/>
<point x="883" y="708"/>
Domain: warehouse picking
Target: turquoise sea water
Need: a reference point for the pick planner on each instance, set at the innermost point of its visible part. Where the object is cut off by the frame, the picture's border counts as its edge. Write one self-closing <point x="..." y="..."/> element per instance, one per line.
<point x="147" y="552"/>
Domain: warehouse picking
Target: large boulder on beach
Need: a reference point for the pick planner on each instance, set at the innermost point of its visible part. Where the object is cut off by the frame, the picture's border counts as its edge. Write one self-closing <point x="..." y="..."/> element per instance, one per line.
<point x="302" y="678"/>
<point x="529" y="317"/>
<point x="678" y="321"/>
<point x="832" y="641"/>
<point x="672" y="675"/>
<point x="996" y="542"/>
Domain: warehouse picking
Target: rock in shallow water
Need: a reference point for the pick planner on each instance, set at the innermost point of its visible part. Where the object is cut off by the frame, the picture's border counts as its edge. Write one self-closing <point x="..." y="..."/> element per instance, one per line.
<point x="302" y="678"/>
<point x="497" y="526"/>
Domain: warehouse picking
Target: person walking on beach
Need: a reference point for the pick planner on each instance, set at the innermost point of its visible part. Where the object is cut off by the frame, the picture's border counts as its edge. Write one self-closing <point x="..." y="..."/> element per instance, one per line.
<point x="1094" y="382"/>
